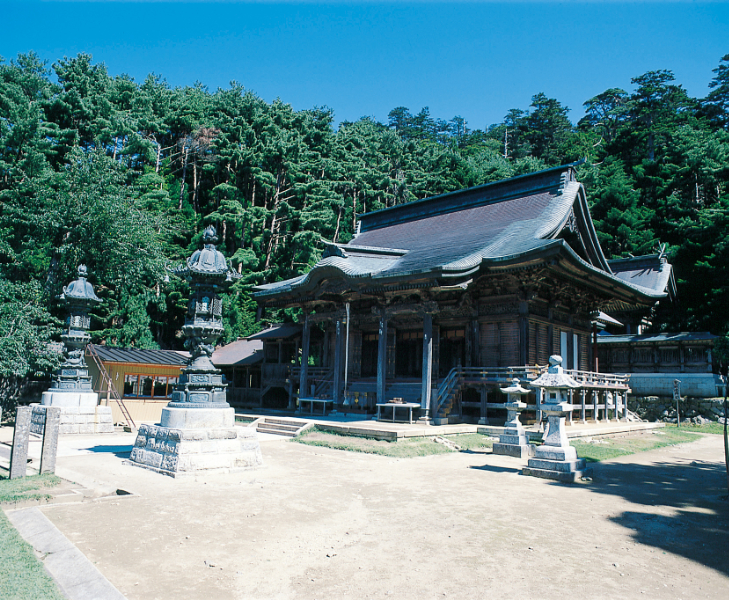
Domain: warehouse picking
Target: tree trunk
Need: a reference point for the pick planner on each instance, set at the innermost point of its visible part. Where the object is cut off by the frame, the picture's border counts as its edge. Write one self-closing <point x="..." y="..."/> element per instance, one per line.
<point x="184" y="174"/>
<point x="274" y="221"/>
<point x="195" y="185"/>
<point x="336" y="231"/>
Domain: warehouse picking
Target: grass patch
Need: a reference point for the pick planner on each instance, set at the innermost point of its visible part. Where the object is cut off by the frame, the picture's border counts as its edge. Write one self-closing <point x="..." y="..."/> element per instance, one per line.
<point x="713" y="428"/>
<point x="600" y="449"/>
<point x="405" y="448"/>
<point x="27" y="488"/>
<point x="22" y="576"/>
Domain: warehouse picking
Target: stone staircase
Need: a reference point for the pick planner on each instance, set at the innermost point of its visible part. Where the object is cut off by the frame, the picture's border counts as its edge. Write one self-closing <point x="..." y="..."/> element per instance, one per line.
<point x="278" y="426"/>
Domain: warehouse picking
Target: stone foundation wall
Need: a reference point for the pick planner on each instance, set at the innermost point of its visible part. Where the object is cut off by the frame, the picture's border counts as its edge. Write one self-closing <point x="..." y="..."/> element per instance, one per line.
<point x="662" y="408"/>
<point x="80" y="419"/>
<point x="186" y="451"/>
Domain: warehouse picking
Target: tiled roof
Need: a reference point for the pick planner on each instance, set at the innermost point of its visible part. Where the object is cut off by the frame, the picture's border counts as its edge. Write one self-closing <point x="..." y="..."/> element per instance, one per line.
<point x="651" y="272"/>
<point x="452" y="236"/>
<point x="141" y="357"/>
<point x="277" y="332"/>
<point x="238" y="353"/>
<point x="652" y="338"/>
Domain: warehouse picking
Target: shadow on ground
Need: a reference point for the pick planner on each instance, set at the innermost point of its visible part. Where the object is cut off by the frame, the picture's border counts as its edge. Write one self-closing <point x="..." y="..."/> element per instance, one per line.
<point x="119" y="451"/>
<point x="688" y="514"/>
<point x="495" y="469"/>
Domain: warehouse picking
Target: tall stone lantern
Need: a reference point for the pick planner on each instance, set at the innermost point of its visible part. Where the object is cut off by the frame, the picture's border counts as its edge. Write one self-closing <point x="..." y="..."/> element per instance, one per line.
<point x="197" y="430"/>
<point x="555" y="458"/>
<point x="72" y="390"/>
<point x="513" y="442"/>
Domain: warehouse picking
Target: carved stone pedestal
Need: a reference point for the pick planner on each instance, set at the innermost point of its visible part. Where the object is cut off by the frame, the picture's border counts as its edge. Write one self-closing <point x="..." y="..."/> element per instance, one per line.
<point x="80" y="412"/>
<point x="514" y="442"/>
<point x="556" y="459"/>
<point x="180" y="452"/>
<point x="197" y="432"/>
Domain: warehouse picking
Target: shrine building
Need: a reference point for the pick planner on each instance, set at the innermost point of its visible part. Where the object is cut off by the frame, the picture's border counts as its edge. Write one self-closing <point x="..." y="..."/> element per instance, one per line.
<point x="439" y="301"/>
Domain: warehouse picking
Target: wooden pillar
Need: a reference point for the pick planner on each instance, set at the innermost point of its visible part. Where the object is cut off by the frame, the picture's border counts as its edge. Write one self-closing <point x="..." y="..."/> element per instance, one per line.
<point x="569" y="416"/>
<point x="538" y="401"/>
<point x="583" y="393"/>
<point x="595" y="361"/>
<point x="523" y="333"/>
<point x="337" y="364"/>
<point x="484" y="420"/>
<point x="382" y="359"/>
<point x="304" y="372"/>
<point x="427" y="376"/>
<point x="476" y="346"/>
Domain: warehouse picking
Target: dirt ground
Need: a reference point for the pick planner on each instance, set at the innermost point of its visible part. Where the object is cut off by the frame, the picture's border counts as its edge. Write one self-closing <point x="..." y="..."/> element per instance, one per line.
<point x="316" y="523"/>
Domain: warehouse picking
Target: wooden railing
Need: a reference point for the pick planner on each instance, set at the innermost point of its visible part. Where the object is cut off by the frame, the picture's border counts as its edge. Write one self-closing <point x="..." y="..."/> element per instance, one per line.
<point x="110" y="389"/>
<point x="460" y="376"/>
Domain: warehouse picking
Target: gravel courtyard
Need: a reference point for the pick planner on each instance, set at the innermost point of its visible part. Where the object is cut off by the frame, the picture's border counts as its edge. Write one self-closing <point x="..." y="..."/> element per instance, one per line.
<point x="327" y="524"/>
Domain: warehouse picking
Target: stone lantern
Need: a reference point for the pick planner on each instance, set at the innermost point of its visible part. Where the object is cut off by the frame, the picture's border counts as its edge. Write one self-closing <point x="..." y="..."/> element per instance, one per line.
<point x="555" y="458"/>
<point x="72" y="390"/>
<point x="513" y="442"/>
<point x="197" y="430"/>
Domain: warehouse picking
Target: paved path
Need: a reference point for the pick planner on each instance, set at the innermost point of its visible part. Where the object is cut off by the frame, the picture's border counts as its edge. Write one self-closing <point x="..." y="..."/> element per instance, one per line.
<point x="74" y="573"/>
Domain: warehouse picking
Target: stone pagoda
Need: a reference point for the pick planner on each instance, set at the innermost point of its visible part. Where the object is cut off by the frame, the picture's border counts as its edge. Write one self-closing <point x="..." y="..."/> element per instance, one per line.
<point x="197" y="430"/>
<point x="555" y="458"/>
<point x="514" y="442"/>
<point x="72" y="391"/>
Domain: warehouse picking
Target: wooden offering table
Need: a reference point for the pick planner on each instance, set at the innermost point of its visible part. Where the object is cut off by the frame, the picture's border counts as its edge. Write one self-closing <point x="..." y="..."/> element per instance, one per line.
<point x="314" y="401"/>
<point x="394" y="406"/>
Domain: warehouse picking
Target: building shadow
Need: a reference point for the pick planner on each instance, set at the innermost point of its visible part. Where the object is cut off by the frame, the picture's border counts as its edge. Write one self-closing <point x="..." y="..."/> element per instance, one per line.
<point x="687" y="512"/>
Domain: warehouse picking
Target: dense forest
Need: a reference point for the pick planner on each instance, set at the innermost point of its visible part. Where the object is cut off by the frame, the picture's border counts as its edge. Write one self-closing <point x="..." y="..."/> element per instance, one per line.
<point x="124" y="176"/>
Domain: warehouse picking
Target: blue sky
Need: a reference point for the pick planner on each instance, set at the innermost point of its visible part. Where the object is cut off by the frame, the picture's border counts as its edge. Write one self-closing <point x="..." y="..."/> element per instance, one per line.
<point x="473" y="59"/>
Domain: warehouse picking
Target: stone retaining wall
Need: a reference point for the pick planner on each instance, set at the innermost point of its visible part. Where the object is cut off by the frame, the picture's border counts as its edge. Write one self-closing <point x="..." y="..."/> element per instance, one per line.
<point x="662" y="408"/>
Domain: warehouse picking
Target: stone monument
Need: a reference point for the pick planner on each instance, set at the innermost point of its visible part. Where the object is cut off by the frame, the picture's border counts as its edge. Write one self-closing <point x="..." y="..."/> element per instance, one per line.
<point x="555" y="458"/>
<point x="197" y="431"/>
<point x="72" y="391"/>
<point x="514" y="442"/>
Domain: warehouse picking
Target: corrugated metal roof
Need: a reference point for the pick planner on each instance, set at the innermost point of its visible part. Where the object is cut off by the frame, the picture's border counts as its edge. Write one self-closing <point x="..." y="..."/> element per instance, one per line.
<point x="656" y="338"/>
<point x="238" y="353"/>
<point x="142" y="357"/>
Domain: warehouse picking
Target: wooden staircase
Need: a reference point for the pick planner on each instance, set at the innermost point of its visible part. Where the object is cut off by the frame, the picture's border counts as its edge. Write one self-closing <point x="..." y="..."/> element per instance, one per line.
<point x="278" y="426"/>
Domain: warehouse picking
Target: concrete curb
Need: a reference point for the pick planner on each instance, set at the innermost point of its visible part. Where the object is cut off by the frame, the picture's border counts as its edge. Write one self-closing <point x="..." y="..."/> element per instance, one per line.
<point x="72" y="571"/>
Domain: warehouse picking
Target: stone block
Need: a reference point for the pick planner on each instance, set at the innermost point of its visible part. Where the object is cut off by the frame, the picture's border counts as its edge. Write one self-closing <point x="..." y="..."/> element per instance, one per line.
<point x="209" y="446"/>
<point x="561" y="476"/>
<point x="557" y="465"/>
<point x="86" y="410"/>
<point x="68" y="428"/>
<point x="169" y="462"/>
<point x="222" y="434"/>
<point x="207" y="462"/>
<point x="195" y="434"/>
<point x="516" y="450"/>
<point x="189" y="447"/>
<point x="86" y="428"/>
<point x="556" y="452"/>
<point x="153" y="459"/>
<point x="104" y="428"/>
